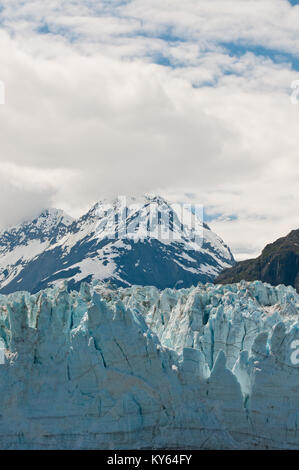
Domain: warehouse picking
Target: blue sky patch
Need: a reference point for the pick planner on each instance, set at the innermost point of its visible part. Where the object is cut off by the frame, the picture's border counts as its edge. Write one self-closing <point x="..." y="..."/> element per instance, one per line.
<point x="44" y="29"/>
<point x="209" y="217"/>
<point x="277" y="57"/>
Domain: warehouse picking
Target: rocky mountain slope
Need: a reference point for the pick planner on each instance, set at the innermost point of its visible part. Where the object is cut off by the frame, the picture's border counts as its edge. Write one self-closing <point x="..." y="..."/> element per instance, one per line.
<point x="278" y="264"/>
<point x="209" y="367"/>
<point x="101" y="246"/>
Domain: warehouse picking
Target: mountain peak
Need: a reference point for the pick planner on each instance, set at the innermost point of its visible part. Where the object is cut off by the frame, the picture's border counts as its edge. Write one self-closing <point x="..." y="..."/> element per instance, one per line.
<point x="52" y="217"/>
<point x="147" y="216"/>
<point x="50" y="224"/>
<point x="136" y="240"/>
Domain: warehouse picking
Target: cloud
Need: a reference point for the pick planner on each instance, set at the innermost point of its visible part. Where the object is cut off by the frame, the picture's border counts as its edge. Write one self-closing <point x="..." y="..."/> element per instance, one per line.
<point x="91" y="111"/>
<point x="18" y="204"/>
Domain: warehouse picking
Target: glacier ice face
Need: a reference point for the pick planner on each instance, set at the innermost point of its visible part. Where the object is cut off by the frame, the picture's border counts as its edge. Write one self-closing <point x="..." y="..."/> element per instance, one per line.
<point x="206" y="367"/>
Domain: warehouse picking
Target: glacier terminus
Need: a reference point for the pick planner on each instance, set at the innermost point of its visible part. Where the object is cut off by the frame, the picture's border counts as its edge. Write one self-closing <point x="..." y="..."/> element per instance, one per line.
<point x="105" y="367"/>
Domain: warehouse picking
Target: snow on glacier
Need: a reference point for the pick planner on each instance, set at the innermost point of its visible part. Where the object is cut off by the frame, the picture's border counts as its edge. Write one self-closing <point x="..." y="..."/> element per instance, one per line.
<point x="204" y="367"/>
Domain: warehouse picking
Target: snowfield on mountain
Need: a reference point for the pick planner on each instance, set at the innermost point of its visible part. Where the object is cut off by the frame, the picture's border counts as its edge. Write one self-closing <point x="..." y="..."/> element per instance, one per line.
<point x="40" y="253"/>
<point x="206" y="367"/>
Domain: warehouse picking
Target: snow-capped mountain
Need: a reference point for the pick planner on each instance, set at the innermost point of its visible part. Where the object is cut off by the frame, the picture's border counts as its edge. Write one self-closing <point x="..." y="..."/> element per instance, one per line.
<point x="23" y="243"/>
<point x="143" y="241"/>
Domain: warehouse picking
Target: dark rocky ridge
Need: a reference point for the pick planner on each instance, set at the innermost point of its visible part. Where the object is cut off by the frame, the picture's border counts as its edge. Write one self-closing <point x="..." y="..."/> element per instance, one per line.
<point x="277" y="264"/>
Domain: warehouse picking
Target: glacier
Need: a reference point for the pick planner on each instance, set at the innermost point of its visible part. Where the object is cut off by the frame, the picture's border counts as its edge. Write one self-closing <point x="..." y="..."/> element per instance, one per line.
<point x="205" y="367"/>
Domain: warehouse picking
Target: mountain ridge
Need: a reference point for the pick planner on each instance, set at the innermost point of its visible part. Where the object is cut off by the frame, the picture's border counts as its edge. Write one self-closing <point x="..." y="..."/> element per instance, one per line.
<point x="91" y="248"/>
<point x="277" y="264"/>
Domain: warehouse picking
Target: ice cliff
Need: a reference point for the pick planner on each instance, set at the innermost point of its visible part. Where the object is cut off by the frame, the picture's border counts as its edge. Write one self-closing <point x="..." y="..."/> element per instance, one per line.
<point x="206" y="367"/>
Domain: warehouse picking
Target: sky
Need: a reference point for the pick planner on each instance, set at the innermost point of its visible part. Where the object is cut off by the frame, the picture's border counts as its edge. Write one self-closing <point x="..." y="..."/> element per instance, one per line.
<point x="192" y="100"/>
